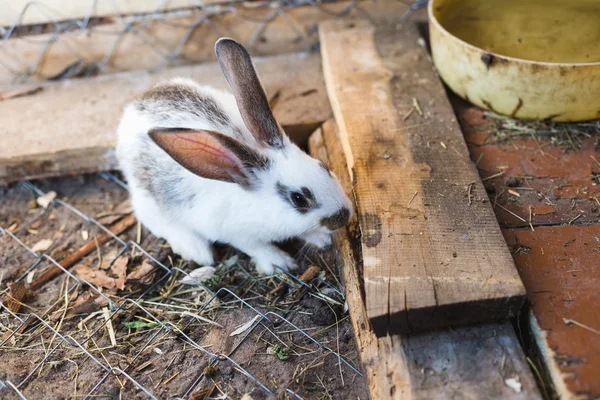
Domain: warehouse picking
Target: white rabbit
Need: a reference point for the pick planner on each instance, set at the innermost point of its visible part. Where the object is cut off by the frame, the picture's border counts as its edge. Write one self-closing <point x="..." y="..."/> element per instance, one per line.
<point x="203" y="169"/>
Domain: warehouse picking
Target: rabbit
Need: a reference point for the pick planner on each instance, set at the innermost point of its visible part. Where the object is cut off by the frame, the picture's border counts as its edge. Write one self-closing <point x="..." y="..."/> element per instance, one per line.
<point x="206" y="166"/>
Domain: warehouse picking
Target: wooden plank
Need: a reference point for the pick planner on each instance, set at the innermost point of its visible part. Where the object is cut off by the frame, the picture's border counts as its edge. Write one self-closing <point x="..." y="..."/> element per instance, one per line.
<point x="560" y="267"/>
<point x="69" y="127"/>
<point x="433" y="254"/>
<point x="150" y="44"/>
<point x="463" y="363"/>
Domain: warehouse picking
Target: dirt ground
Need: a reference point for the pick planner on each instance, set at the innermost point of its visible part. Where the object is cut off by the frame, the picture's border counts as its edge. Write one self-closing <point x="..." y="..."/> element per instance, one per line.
<point x="137" y="331"/>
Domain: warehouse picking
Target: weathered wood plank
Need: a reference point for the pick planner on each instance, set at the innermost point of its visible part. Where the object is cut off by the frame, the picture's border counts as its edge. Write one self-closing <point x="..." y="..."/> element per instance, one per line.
<point x="465" y="363"/>
<point x="433" y="254"/>
<point x="69" y="127"/>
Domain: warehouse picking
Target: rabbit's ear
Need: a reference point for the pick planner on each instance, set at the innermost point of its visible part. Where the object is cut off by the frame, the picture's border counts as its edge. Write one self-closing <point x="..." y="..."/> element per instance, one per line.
<point x="249" y="93"/>
<point x="210" y="154"/>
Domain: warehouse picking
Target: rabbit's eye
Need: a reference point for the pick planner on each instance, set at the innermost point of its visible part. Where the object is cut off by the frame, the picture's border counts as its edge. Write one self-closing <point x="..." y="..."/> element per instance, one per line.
<point x="299" y="200"/>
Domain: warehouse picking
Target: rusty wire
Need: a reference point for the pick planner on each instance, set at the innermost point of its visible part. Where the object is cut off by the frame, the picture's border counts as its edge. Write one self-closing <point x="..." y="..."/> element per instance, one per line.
<point x="264" y="319"/>
<point x="137" y="25"/>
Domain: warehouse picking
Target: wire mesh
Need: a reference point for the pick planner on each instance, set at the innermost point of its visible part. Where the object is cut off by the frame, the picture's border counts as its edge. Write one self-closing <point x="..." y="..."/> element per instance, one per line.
<point x="89" y="44"/>
<point x="61" y="352"/>
<point x="59" y="346"/>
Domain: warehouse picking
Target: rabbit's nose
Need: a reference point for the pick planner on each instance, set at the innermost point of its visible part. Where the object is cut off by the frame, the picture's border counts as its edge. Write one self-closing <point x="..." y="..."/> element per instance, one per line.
<point x="337" y="220"/>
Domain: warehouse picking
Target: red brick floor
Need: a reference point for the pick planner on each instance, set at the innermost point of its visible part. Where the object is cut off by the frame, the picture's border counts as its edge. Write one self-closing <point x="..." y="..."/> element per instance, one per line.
<point x="551" y="188"/>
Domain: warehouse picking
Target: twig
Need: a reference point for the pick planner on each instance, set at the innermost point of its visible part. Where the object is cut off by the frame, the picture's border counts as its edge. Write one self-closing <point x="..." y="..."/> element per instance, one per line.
<point x="11" y="94"/>
<point x="307" y="276"/>
<point x="469" y="190"/>
<point x="507" y="210"/>
<point x="116" y="229"/>
<point x="196" y="316"/>
<point x="479" y="159"/>
<point x="412" y="198"/>
<point x="171" y="378"/>
<point x="574" y="219"/>
<point x="417" y="106"/>
<point x="579" y="324"/>
<point x="86" y="319"/>
<point x="109" y="326"/>
<point x="494" y="176"/>
<point x="530" y="224"/>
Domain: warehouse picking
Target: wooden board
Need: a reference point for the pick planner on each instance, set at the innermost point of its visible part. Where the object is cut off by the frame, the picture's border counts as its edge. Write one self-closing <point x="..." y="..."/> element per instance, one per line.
<point x="433" y="254"/>
<point x="69" y="127"/>
<point x="560" y="267"/>
<point x="151" y="44"/>
<point x="465" y="363"/>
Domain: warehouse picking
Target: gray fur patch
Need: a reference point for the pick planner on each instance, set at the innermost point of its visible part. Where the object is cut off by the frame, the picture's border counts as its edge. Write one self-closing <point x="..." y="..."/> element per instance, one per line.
<point x="183" y="98"/>
<point x="161" y="179"/>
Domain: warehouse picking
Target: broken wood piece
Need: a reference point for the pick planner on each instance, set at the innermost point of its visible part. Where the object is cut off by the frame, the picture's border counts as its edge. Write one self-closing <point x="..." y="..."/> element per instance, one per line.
<point x="109" y="327"/>
<point x="15" y="296"/>
<point x="469" y="361"/>
<point x="307" y="276"/>
<point x="116" y="229"/>
<point x="55" y="146"/>
<point x="439" y="261"/>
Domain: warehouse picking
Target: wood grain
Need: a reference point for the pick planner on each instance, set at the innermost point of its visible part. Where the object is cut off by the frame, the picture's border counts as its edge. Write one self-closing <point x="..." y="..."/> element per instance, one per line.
<point x="70" y="126"/>
<point x="466" y="363"/>
<point x="432" y="252"/>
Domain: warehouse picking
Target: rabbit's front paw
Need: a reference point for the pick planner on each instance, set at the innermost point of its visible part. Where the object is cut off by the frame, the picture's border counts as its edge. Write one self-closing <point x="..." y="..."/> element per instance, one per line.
<point x="318" y="239"/>
<point x="192" y="248"/>
<point x="269" y="257"/>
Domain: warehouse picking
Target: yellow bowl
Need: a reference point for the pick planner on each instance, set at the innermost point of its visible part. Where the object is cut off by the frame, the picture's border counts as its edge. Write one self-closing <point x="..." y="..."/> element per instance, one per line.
<point x="534" y="59"/>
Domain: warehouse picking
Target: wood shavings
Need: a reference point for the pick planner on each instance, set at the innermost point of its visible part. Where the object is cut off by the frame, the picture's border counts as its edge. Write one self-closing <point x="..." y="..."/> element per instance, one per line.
<point x="243" y="328"/>
<point x="109" y="327"/>
<point x="42" y="245"/>
<point x="198" y="276"/>
<point x="45" y="200"/>
<point x="514" y="384"/>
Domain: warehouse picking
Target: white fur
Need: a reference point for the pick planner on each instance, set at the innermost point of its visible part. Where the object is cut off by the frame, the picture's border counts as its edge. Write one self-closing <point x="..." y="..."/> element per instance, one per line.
<point x="226" y="212"/>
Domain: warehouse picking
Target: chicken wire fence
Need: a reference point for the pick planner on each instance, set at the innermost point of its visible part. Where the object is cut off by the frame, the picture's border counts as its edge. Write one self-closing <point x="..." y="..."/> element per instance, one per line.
<point x="62" y="48"/>
<point x="162" y="313"/>
<point x="57" y="341"/>
<point x="165" y="33"/>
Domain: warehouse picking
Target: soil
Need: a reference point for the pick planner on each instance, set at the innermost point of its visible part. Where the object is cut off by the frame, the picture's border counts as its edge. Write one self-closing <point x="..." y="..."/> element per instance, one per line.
<point x="172" y="361"/>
